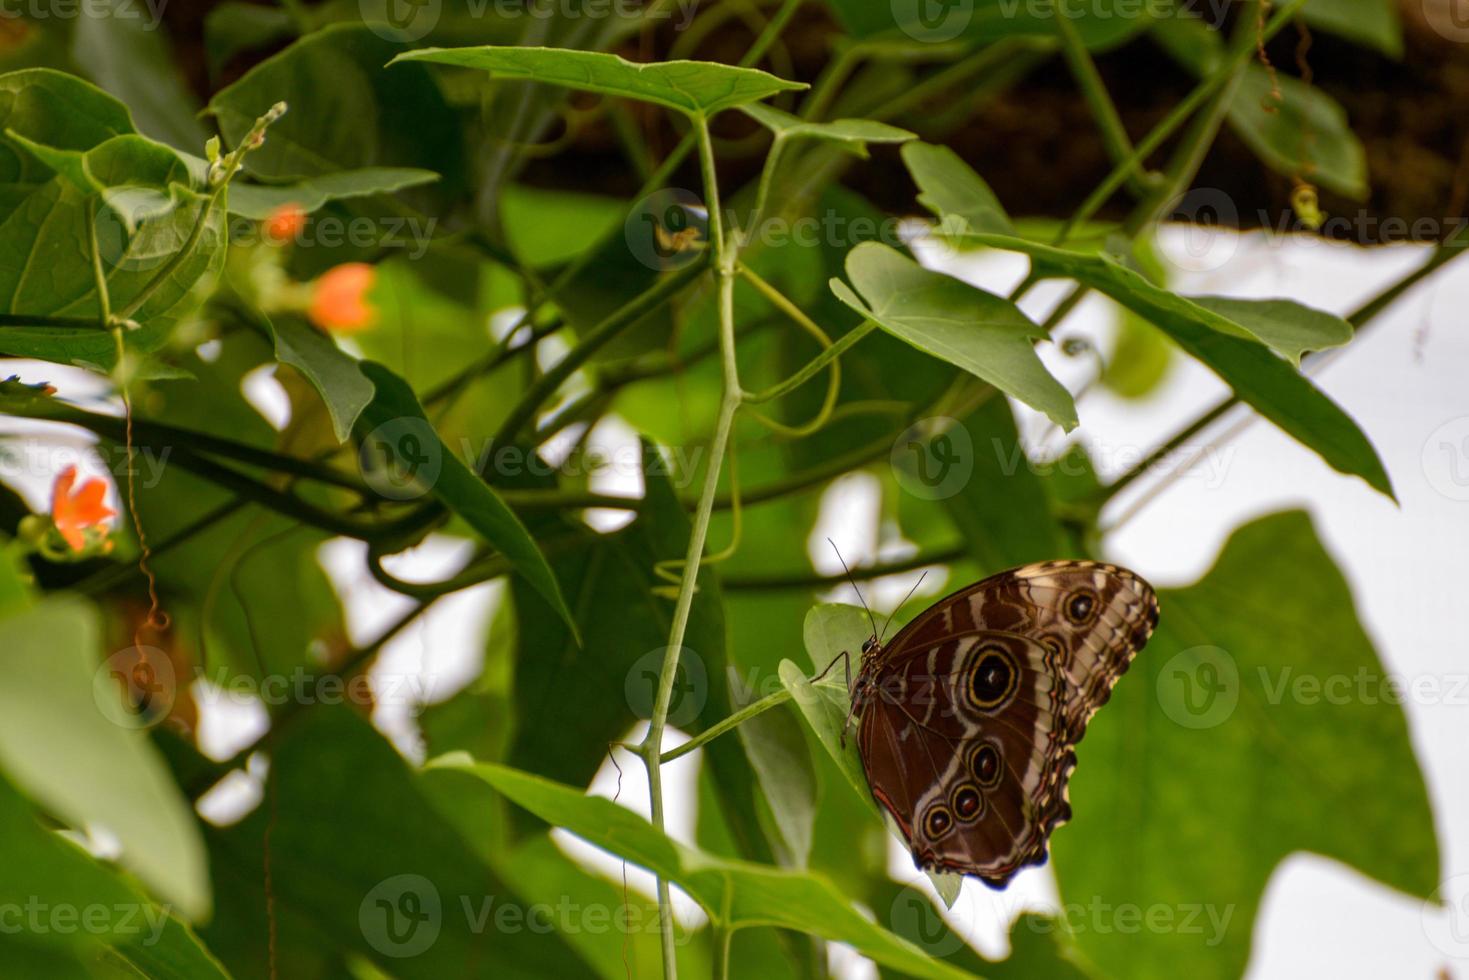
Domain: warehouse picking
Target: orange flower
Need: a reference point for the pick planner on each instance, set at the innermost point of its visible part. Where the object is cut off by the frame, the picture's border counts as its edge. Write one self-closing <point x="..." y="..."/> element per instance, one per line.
<point x="74" y="511"/>
<point x="284" y="224"/>
<point x="339" y="298"/>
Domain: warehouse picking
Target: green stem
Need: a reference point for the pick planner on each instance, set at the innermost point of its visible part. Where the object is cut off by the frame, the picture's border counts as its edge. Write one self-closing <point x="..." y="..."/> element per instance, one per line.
<point x="1094" y="91"/>
<point x="805" y="579"/>
<point x="651" y="746"/>
<point x="729" y="723"/>
<point x="545" y="386"/>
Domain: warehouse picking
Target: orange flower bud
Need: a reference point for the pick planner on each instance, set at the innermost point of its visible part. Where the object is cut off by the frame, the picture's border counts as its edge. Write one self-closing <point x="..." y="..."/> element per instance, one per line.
<point x="339" y="298"/>
<point x="284" y="224"/>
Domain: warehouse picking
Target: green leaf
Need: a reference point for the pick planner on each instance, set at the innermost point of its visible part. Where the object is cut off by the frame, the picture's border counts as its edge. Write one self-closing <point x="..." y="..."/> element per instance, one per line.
<point x="1000" y="508"/>
<point x="1216" y="745"/>
<point x="45" y="871"/>
<point x="46" y="256"/>
<point x="127" y="55"/>
<point x="778" y="754"/>
<point x="1307" y="134"/>
<point x="257" y="201"/>
<point x="1373" y="23"/>
<point x="852" y="134"/>
<point x="346" y="113"/>
<point x="1274" y="388"/>
<point x="397" y="417"/>
<point x="984" y="334"/>
<point x="696" y="88"/>
<point x="60" y="110"/>
<point x="414" y="908"/>
<point x="1285" y="326"/>
<point x="951" y="189"/>
<point x="62" y="739"/>
<point x="738" y="893"/>
<point x="826" y="707"/>
<point x="1303" y="134"/>
<point x="334" y="373"/>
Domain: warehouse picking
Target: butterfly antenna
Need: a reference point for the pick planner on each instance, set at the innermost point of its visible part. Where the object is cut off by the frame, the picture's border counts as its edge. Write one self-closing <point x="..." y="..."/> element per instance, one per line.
<point x="901" y="605"/>
<point x="870" y="618"/>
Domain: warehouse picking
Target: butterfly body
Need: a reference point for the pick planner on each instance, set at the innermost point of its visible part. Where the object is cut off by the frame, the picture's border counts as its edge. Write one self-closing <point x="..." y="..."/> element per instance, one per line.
<point x="970" y="715"/>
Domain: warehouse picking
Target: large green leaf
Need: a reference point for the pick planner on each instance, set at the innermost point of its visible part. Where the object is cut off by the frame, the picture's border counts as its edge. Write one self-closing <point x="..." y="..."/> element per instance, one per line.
<point x="1375" y="23"/>
<point x="134" y="196"/>
<point x="334" y="373"/>
<point x="1302" y="134"/>
<point x="346" y="113"/>
<point x="65" y="741"/>
<point x="1285" y="326"/>
<point x="128" y="56"/>
<point x="1000" y="506"/>
<point x="394" y="424"/>
<point x="696" y="88"/>
<point x="959" y="323"/>
<point x="737" y="893"/>
<point x="87" y="914"/>
<point x="1258" y="715"/>
<point x="949" y="187"/>
<point x="341" y="791"/>
<point x="60" y="110"/>
<point x="1260" y="378"/>
<point x="257" y="201"/>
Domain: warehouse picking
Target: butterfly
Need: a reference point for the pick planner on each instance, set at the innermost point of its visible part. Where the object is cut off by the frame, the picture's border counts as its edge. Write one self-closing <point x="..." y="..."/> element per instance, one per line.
<point x="969" y="718"/>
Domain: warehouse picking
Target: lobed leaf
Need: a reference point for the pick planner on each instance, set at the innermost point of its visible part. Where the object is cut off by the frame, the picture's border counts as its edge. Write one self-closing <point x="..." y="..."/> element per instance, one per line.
<point x="696" y="88"/>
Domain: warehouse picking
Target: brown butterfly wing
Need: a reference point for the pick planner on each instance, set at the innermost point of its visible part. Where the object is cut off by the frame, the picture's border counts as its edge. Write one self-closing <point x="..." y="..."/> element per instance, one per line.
<point x="1062" y="632"/>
